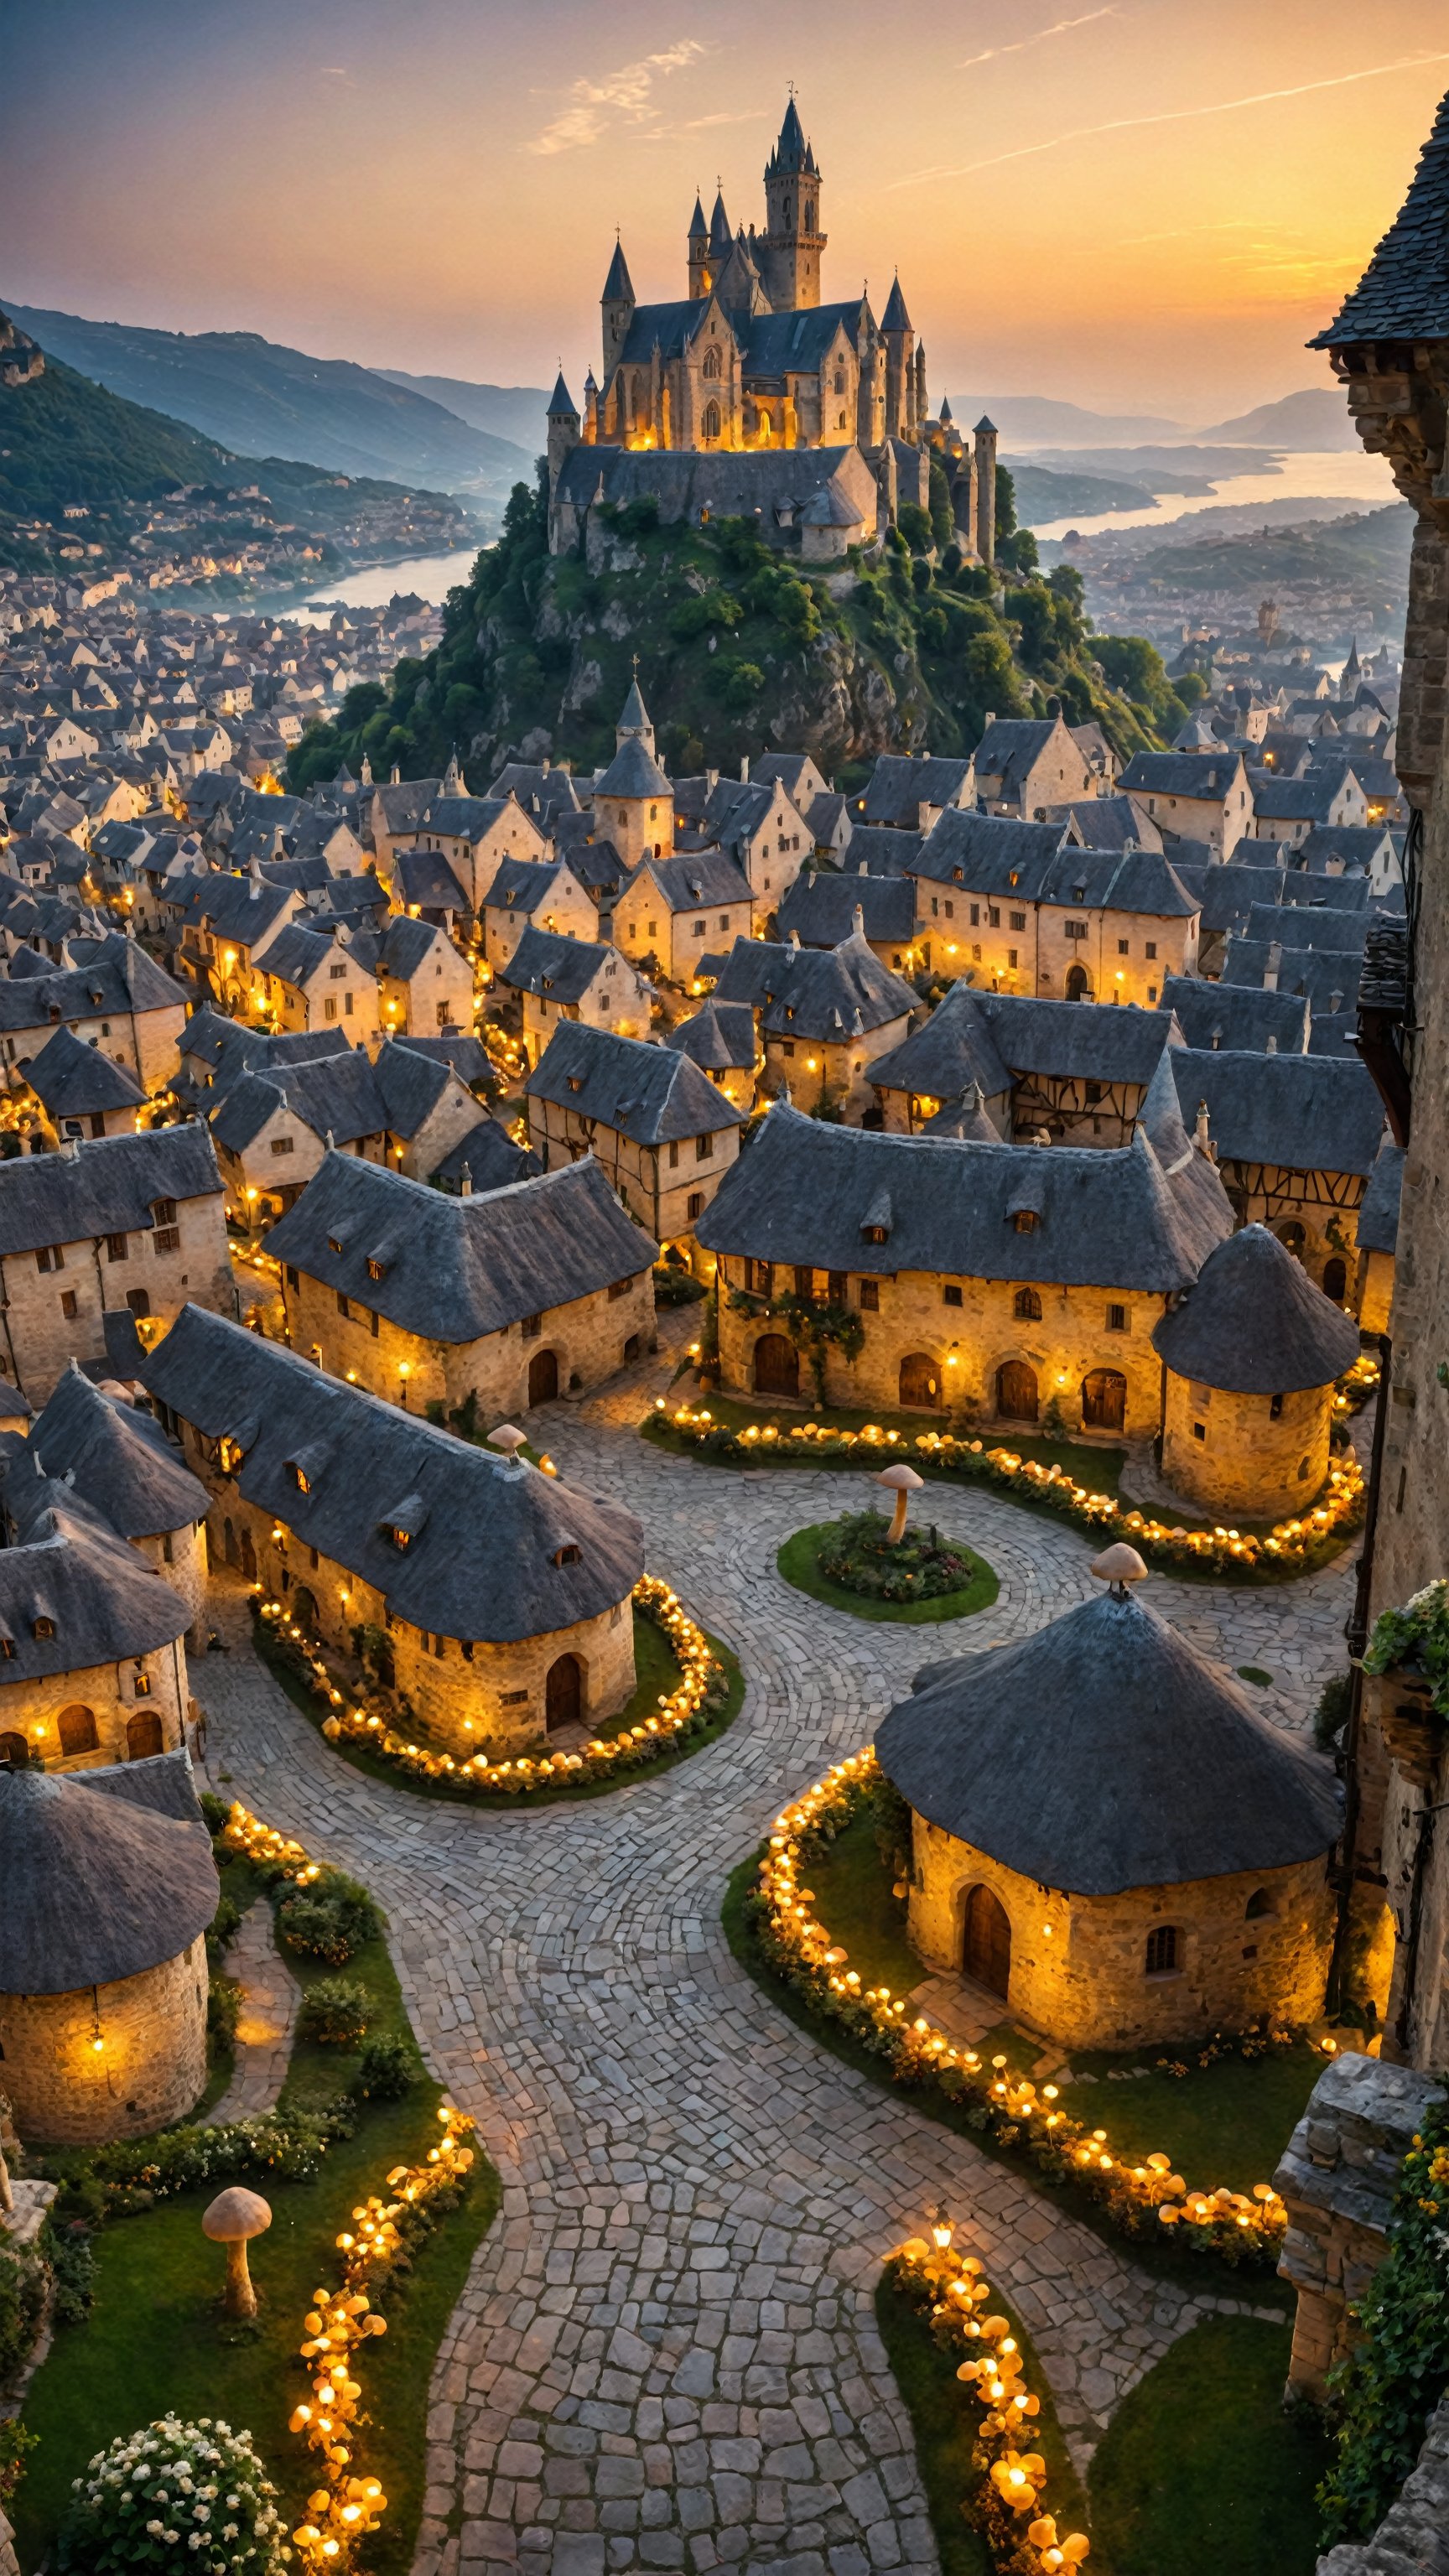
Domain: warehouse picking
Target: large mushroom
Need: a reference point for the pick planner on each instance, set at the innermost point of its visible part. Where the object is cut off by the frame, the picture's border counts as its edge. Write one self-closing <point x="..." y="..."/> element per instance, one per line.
<point x="233" y="2218"/>
<point x="1117" y="1566"/>
<point x="509" y="1439"/>
<point x="902" y="1481"/>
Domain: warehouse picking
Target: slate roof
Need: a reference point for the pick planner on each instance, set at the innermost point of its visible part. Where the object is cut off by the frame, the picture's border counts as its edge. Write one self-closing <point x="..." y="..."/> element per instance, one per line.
<point x="73" y="1080"/>
<point x="1320" y="926"/>
<point x="1206" y="775"/>
<point x="956" y="1046"/>
<point x="163" y="1783"/>
<point x="1403" y="293"/>
<point x="1104" y="1752"/>
<point x="521" y="885"/>
<point x="984" y="851"/>
<point x="65" y="1563"/>
<point x="466" y="1055"/>
<point x="94" y="1888"/>
<point x="1231" y="888"/>
<point x="689" y="482"/>
<point x="1128" y="880"/>
<point x="118" y="976"/>
<point x="224" y="1049"/>
<point x="1007" y="749"/>
<point x="807" y="1191"/>
<point x="1110" y="822"/>
<point x="1236" y="1016"/>
<point x="548" y="793"/>
<point x="882" y="852"/>
<point x="1254" y="1323"/>
<point x="489" y="1157"/>
<point x="824" y="995"/>
<point x="696" y="880"/>
<point x="244" y="909"/>
<point x="102" y="1185"/>
<point x="1306" y="1113"/>
<point x="720" y="1037"/>
<point x="480" y="1562"/>
<point x="984" y="1032"/>
<point x="652" y="1094"/>
<point x="966" y="1119"/>
<point x="1294" y="800"/>
<point x="1378" y="1214"/>
<point x="342" y="1095"/>
<point x="1316" y="973"/>
<point x="795" y="342"/>
<point x="821" y="906"/>
<point x="901" y="783"/>
<point x="120" y="1459"/>
<point x="545" y="962"/>
<point x="633" y="772"/>
<point x="297" y="954"/>
<point x="428" y="879"/>
<point x="1356" y="844"/>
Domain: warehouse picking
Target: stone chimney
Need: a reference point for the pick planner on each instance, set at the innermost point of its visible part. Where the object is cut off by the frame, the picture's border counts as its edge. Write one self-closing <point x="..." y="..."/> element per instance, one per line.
<point x="465" y="1186"/>
<point x="744" y="769"/>
<point x="857" y="921"/>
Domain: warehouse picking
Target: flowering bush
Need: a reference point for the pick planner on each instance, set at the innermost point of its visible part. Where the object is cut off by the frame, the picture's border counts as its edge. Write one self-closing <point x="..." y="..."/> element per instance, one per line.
<point x="182" y="2496"/>
<point x="22" y="2296"/>
<point x="330" y="1918"/>
<point x="133" y="2172"/>
<point x="1416" y="1636"/>
<point x="856" y="1553"/>
<point x="336" y="2011"/>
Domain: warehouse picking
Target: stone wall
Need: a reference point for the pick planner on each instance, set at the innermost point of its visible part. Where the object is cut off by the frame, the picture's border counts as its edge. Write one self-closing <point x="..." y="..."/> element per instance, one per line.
<point x="32" y="1709"/>
<point x="590" y="1338"/>
<point x="149" y="2069"/>
<point x="658" y="1184"/>
<point x="179" y="1557"/>
<point x="1413" y="2538"/>
<point x="1337" y="2178"/>
<point x="1226" y="1453"/>
<point x="967" y="1344"/>
<point x="1025" y="949"/>
<point x="51" y="1315"/>
<point x="814" y="1072"/>
<point x="1079" y="1963"/>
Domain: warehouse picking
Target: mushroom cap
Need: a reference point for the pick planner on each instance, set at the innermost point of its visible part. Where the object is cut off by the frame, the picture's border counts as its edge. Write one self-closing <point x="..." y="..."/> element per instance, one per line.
<point x="901" y="1478"/>
<point x="236" y="2214"/>
<point x="507" y="1436"/>
<point x="1118" y="1563"/>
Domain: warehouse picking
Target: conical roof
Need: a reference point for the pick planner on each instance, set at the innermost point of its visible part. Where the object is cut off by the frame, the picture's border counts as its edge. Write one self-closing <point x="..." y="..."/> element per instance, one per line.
<point x="720" y="235"/>
<point x="1104" y="1752"/>
<point x="791" y="152"/>
<point x="1403" y="293"/>
<point x="698" y="228"/>
<point x="1254" y="1323"/>
<point x="122" y="1464"/>
<point x="895" y="316"/>
<point x="561" y="402"/>
<point x="92" y="1887"/>
<point x="618" y="285"/>
<point x="965" y="1117"/>
<point x="985" y="428"/>
<point x="635" y="717"/>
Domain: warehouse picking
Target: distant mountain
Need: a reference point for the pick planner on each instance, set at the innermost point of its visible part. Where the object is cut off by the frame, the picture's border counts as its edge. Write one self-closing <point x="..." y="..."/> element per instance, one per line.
<point x="516" y="412"/>
<point x="1032" y="420"/>
<point x="63" y="439"/>
<point x="1317" y="418"/>
<point x="1042" y="496"/>
<point x="260" y="398"/>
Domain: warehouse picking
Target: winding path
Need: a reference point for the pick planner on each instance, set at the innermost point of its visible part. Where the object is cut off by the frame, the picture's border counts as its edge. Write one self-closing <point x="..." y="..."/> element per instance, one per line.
<point x="665" y="2356"/>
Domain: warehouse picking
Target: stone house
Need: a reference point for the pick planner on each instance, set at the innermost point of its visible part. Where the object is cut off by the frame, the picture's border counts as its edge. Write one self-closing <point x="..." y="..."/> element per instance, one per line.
<point x="1193" y="796"/>
<point x="107" y="1885"/>
<point x="395" y="815"/>
<point x="125" y="1224"/>
<point x="475" y="836"/>
<point x="1024" y="908"/>
<point x="821" y="907"/>
<point x="1193" y="1898"/>
<point x="120" y="997"/>
<point x="91" y="1651"/>
<point x="722" y="1038"/>
<point x="495" y="1600"/>
<point x="546" y="894"/>
<point x="424" y="982"/>
<point x="633" y="799"/>
<point x="1026" y="763"/>
<point x="227" y="925"/>
<point x="1000" y="1285"/>
<point x="312" y="979"/>
<point x="757" y="823"/>
<point x="272" y="1127"/>
<point x="679" y="910"/>
<point x="1286" y="810"/>
<point x="1251" y="1353"/>
<point x="115" y="1457"/>
<point x="909" y="791"/>
<point x="825" y="1014"/>
<point x="512" y="1297"/>
<point x="575" y="979"/>
<point x="1295" y="1138"/>
<point x="77" y="1090"/>
<point x="664" y="1136"/>
<point x="1081" y="1076"/>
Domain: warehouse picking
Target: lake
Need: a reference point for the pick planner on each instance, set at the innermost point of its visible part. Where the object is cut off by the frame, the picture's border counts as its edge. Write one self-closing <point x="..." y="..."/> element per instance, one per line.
<point x="1360" y="480"/>
<point x="431" y="576"/>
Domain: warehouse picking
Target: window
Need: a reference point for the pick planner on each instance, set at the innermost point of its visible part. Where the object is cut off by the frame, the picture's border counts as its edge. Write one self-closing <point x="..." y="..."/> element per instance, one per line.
<point x="343" y="1308"/>
<point x="42" y="1627"/>
<point x="1026" y="1306"/>
<point x="703" y="1149"/>
<point x="1025" y="1221"/>
<point x="347" y="1006"/>
<point x="698" y="929"/>
<point x="116" y="1247"/>
<point x="950" y="1295"/>
<point x="870" y="1297"/>
<point x="1124" y="948"/>
<point x="140" y="1685"/>
<point x="69" y="1304"/>
<point x="576" y="1082"/>
<point x="950" y="911"/>
<point x="1162" y="1950"/>
<point x="976" y="954"/>
<point x="1151" y="948"/>
<point x="724" y="919"/>
<point x="167" y="1238"/>
<point x="1016" y="921"/>
<point x="674" y="1156"/>
<point x="376" y="1268"/>
<point x="50" y="1257"/>
<point x="329" y="1007"/>
<point x="1275" y="1408"/>
<point x="568" y="1554"/>
<point x="1075" y="929"/>
<point x="1199" y="1431"/>
<point x="1259" y="1904"/>
<point x="804" y="1284"/>
<point x="138" y="1301"/>
<point x="993" y="916"/>
<point x="1116" y="1319"/>
<point x="1011" y="957"/>
<point x="760" y="1276"/>
<point x="283" y="1144"/>
<point x="163" y="1211"/>
<point x="619" y="1288"/>
<point x="787" y="1047"/>
<point x="372" y="1322"/>
<point x="293" y="1276"/>
<point x="694" y="1204"/>
<point x="531" y="1327"/>
<point x="336" y="973"/>
<point x="299" y="1477"/>
<point x="334" y="1243"/>
<point x="975" y="916"/>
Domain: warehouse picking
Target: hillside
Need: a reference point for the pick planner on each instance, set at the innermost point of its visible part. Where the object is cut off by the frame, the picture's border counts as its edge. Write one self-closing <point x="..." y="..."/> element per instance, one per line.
<point x="64" y="439"/>
<point x="1043" y="494"/>
<point x="739" y="650"/>
<point x="517" y="412"/>
<point x="1316" y="418"/>
<point x="1373" y="547"/>
<point x="261" y="399"/>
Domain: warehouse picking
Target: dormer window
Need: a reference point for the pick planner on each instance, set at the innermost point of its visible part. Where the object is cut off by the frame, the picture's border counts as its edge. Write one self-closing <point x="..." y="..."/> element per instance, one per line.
<point x="299" y="1477"/>
<point x="401" y="1538"/>
<point x="568" y="1554"/>
<point x="874" y="1233"/>
<point x="333" y="1244"/>
<point x="576" y="1082"/>
<point x="376" y="1269"/>
<point x="1025" y="1220"/>
<point x="229" y="1455"/>
<point x="42" y="1627"/>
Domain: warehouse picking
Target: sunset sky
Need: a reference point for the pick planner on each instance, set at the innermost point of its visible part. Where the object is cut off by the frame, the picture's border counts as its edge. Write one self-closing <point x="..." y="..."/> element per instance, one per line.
<point x="1142" y="206"/>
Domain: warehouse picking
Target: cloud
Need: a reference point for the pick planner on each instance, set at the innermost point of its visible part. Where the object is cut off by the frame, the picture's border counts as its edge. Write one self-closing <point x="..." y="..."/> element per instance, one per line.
<point x="1165" y="116"/>
<point x="626" y="93"/>
<point x="1063" y="26"/>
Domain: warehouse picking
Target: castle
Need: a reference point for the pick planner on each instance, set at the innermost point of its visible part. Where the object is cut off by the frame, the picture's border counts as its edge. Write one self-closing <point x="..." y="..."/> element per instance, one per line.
<point x="750" y="397"/>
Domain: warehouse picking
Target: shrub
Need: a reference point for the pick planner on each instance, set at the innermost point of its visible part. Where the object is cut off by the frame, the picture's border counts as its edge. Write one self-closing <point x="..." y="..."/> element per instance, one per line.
<point x="744" y="684"/>
<point x="198" y="2490"/>
<point x="1330" y="1717"/>
<point x="1380" y="2398"/>
<point x="68" y="2251"/>
<point x="223" y="2011"/>
<point x="22" y="2296"/>
<point x="217" y="1812"/>
<point x="15" y="2441"/>
<point x="387" y="2068"/>
<point x="336" y="2011"/>
<point x="331" y="1919"/>
<point x="857" y="1554"/>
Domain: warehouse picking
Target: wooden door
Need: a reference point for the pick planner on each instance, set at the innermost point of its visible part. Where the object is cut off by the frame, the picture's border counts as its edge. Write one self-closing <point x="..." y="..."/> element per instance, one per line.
<point x="986" y="1941"/>
<point x="15" y="1751"/>
<point x="543" y="1377"/>
<point x="1335" y="1280"/>
<point x="77" y="1726"/>
<point x="777" y="1365"/>
<point x="563" y="1694"/>
<point x="143" y="1735"/>
<point x="1104" y="1400"/>
<point x="920" y="1384"/>
<point x="1016" y="1391"/>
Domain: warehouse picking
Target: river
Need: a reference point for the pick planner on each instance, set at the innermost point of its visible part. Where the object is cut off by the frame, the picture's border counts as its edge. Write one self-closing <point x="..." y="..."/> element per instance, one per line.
<point x="430" y="576"/>
<point x="1359" y="480"/>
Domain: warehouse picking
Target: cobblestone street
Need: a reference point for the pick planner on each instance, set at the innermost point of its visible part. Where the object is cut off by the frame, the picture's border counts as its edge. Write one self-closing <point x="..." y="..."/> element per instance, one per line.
<point x="665" y="2356"/>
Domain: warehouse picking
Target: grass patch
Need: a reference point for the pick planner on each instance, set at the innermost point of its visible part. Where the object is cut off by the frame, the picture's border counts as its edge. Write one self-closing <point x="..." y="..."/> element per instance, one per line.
<point x="1226" y="2123"/>
<point x="1097" y="1468"/>
<point x="853" y="1895"/>
<point x="1201" y="2470"/>
<point x="1255" y="1674"/>
<point x="798" y="1561"/>
<point x="656" y="1668"/>
<point x="155" y="2339"/>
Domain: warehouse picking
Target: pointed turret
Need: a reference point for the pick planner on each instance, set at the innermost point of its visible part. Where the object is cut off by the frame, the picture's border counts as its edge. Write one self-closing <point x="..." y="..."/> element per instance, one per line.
<point x="617" y="304"/>
<point x="789" y="250"/>
<point x="698" y="228"/>
<point x="721" y="236"/>
<point x="792" y="154"/>
<point x="561" y="401"/>
<point x="634" y="724"/>
<point x="697" y="253"/>
<point x="1352" y="669"/>
<point x="563" y="431"/>
<point x="895" y="317"/>
<point x="453" y="776"/>
<point x="618" y="285"/>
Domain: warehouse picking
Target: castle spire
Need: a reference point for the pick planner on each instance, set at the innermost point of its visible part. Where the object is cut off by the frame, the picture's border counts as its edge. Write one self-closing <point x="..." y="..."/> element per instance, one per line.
<point x="618" y="285"/>
<point x="721" y="237"/>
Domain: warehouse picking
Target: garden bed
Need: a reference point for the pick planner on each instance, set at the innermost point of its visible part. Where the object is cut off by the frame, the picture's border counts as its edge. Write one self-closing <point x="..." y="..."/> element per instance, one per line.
<point x="847" y="1564"/>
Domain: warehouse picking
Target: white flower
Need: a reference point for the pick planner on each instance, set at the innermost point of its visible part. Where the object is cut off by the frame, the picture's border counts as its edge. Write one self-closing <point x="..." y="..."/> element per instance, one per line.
<point x="230" y="2530"/>
<point x="154" y="2529"/>
<point x="170" y="2537"/>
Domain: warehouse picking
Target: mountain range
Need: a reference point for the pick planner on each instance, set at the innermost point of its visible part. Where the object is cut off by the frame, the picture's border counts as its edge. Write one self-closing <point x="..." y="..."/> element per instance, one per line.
<point x="517" y="412"/>
<point x="1316" y="418"/>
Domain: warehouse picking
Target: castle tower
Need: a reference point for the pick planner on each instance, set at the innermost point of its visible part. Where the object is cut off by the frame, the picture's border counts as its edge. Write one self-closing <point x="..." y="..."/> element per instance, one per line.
<point x="591" y="410"/>
<point x="920" y="406"/>
<point x="563" y="431"/>
<point x="984" y="480"/>
<point x="698" y="254"/>
<point x="790" y="248"/>
<point x="721" y="239"/>
<point x="635" y="724"/>
<point x="900" y="347"/>
<point x="617" y="306"/>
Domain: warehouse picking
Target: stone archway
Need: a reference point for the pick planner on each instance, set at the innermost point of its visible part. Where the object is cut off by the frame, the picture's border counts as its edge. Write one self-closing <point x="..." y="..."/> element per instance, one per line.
<point x="920" y="1382"/>
<point x="986" y="1941"/>
<point x="15" y="1751"/>
<point x="77" y="1725"/>
<point x="777" y="1365"/>
<point x="248" y="1557"/>
<point x="563" y="1694"/>
<point x="543" y="1377"/>
<point x="1335" y="1279"/>
<point x="143" y="1735"/>
<point x="1017" y="1395"/>
<point x="1079" y="983"/>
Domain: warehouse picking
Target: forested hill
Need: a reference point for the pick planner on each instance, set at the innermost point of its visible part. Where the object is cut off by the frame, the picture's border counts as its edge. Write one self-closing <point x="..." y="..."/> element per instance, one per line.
<point x="741" y="649"/>
<point x="64" y="439"/>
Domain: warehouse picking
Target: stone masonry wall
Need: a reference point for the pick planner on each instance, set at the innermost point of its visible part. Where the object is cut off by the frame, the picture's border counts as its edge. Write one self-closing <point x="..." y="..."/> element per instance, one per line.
<point x="1245" y="1463"/>
<point x="590" y="1337"/>
<point x="814" y="1071"/>
<point x="179" y="1557"/>
<point x="32" y="1709"/>
<point x="1078" y="1963"/>
<point x="1337" y="2178"/>
<point x="1413" y="2538"/>
<point x="150" y="2067"/>
<point x="38" y="1335"/>
<point x="656" y="1191"/>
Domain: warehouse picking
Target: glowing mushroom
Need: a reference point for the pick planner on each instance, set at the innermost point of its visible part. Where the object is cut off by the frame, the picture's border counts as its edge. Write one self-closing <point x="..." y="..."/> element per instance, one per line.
<point x="1118" y="1565"/>
<point x="902" y="1481"/>
<point x="509" y="1439"/>
<point x="234" y="2217"/>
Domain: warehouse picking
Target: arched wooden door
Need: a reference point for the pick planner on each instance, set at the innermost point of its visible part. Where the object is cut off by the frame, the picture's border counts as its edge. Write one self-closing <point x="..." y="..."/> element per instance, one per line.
<point x="15" y="1751"/>
<point x="986" y="1941"/>
<point x="1079" y="984"/>
<point x="248" y="1556"/>
<point x="777" y="1365"/>
<point x="543" y="1377"/>
<point x="920" y="1381"/>
<point x="229" y="1545"/>
<point x="143" y="1735"/>
<point x="77" y="1726"/>
<point x="1016" y="1391"/>
<point x="563" y="1694"/>
<point x="1335" y="1280"/>
<point x="1104" y="1400"/>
